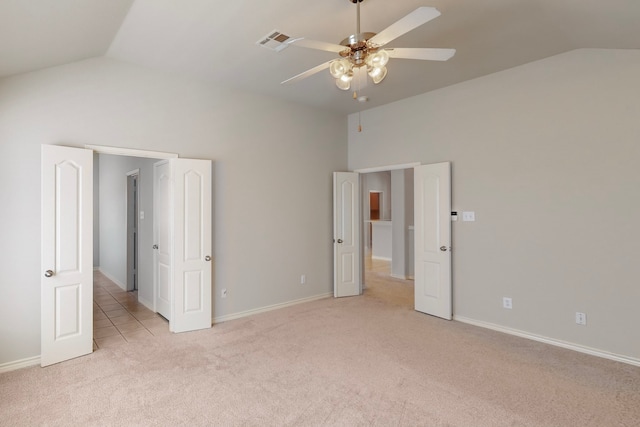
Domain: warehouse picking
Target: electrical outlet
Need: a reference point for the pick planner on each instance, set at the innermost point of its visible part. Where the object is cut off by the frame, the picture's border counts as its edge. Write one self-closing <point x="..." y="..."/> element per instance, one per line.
<point x="303" y="279"/>
<point x="581" y="318"/>
<point x="507" y="303"/>
<point x="223" y="293"/>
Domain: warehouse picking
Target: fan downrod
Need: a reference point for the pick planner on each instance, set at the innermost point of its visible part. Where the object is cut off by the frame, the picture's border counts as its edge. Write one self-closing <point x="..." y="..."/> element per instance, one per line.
<point x="356" y="44"/>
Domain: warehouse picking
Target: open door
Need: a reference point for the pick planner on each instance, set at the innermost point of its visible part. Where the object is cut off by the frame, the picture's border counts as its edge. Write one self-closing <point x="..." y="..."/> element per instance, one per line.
<point x="182" y="235"/>
<point x="162" y="209"/>
<point x="347" y="276"/>
<point x="67" y="253"/>
<point x="191" y="290"/>
<point x="432" y="226"/>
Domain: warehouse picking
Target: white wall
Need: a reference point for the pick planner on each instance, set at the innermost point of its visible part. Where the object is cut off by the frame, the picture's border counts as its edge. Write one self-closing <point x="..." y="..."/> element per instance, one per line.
<point x="272" y="178"/>
<point x="547" y="155"/>
<point x="402" y="212"/>
<point x="113" y="221"/>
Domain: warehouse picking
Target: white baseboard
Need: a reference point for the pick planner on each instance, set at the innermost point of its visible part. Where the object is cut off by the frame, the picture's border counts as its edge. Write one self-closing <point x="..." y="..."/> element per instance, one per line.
<point x="401" y="276"/>
<point x="241" y="314"/>
<point x="381" y="258"/>
<point x="18" y="364"/>
<point x="113" y="279"/>
<point x="551" y="341"/>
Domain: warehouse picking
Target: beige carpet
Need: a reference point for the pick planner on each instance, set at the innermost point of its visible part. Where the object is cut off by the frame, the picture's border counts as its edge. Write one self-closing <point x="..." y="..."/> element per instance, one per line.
<point x="366" y="360"/>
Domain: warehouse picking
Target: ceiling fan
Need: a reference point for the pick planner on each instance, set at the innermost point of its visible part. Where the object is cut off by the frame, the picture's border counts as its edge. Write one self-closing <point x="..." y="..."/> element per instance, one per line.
<point x="365" y="52"/>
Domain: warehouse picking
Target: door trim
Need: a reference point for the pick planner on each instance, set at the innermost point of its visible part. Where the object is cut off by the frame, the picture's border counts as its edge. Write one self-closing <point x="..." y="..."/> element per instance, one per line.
<point x="387" y="168"/>
<point x="131" y="152"/>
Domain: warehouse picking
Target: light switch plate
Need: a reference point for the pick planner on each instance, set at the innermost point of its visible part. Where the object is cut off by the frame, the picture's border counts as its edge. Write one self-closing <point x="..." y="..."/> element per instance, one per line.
<point x="469" y="216"/>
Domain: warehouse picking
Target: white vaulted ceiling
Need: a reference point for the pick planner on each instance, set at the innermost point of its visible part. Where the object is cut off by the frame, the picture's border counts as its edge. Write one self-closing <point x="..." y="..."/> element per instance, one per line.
<point x="37" y="34"/>
<point x="214" y="40"/>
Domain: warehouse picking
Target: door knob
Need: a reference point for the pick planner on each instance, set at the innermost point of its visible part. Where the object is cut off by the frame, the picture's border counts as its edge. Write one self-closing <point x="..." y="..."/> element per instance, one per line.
<point x="443" y="248"/>
<point x="207" y="258"/>
<point x="48" y="273"/>
<point x="155" y="246"/>
<point x="340" y="241"/>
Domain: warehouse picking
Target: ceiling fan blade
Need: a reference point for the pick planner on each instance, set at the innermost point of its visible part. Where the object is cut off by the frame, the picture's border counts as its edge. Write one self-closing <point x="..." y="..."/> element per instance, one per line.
<point x="413" y="20"/>
<point x="314" y="44"/>
<point x="308" y="73"/>
<point x="426" y="54"/>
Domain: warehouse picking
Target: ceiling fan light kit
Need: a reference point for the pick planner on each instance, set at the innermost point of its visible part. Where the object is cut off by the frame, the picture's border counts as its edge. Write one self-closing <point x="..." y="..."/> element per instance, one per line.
<point x="366" y="50"/>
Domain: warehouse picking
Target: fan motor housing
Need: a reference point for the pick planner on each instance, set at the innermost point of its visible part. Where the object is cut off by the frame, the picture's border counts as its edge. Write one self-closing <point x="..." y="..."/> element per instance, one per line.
<point x="358" y="48"/>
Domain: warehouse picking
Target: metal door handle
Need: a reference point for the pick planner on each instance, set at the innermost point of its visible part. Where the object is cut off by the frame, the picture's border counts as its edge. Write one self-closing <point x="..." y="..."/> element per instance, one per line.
<point x="155" y="246"/>
<point x="340" y="241"/>
<point x="443" y="248"/>
<point x="207" y="258"/>
<point x="48" y="273"/>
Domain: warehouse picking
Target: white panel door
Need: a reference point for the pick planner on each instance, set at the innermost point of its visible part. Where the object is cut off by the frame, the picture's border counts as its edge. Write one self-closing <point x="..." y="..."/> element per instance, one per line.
<point x="191" y="288"/>
<point x="67" y="253"/>
<point x="162" y="220"/>
<point x="346" y="235"/>
<point x="432" y="227"/>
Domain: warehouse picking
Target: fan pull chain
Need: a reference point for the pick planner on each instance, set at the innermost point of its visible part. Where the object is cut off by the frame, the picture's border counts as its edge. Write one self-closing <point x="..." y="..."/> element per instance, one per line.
<point x="359" y="123"/>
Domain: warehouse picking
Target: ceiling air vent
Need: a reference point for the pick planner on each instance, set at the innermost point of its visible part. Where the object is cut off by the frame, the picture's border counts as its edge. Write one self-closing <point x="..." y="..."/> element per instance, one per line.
<point x="275" y="40"/>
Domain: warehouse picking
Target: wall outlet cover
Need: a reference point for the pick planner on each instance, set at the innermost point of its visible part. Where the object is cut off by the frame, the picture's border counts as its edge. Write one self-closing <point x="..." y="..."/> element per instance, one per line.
<point x="469" y="216"/>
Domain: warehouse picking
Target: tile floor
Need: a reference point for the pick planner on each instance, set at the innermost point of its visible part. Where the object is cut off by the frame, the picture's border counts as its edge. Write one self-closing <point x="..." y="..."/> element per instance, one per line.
<point x="119" y="318"/>
<point x="372" y="265"/>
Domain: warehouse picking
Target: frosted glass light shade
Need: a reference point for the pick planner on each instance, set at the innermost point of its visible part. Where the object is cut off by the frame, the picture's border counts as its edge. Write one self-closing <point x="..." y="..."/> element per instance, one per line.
<point x="339" y="68"/>
<point x="343" y="84"/>
<point x="378" y="74"/>
<point x="378" y="59"/>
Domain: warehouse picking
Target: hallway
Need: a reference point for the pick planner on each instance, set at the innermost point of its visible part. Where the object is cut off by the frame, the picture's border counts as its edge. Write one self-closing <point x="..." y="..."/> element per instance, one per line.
<point x="379" y="284"/>
<point x="119" y="318"/>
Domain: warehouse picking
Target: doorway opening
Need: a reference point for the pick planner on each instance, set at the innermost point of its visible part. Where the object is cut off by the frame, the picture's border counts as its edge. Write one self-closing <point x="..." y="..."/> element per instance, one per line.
<point x="387" y="218"/>
<point x="375" y="200"/>
<point x="123" y="291"/>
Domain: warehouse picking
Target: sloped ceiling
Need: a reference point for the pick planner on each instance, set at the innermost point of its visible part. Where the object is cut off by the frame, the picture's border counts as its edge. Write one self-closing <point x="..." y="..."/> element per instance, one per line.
<point x="215" y="41"/>
<point x="37" y="34"/>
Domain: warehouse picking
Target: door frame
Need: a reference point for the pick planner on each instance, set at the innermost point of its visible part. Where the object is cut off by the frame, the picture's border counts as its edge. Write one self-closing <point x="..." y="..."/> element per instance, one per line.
<point x="361" y="171"/>
<point x="132" y="152"/>
<point x="164" y="156"/>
